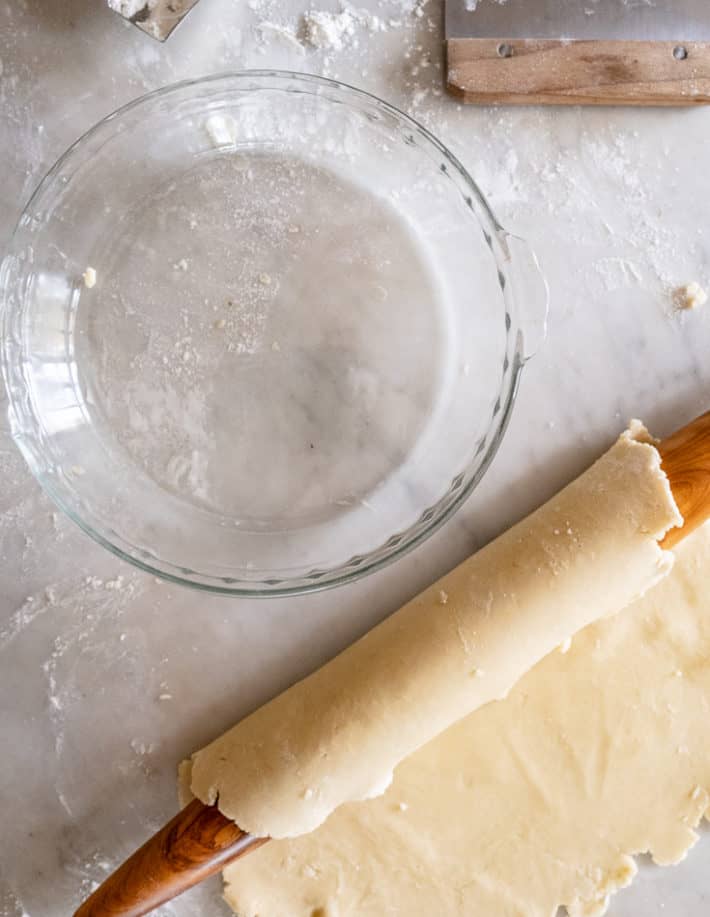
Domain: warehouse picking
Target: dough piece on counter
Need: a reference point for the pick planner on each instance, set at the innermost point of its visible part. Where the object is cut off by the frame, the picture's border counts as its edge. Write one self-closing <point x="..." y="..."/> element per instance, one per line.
<point x="89" y="278"/>
<point x="691" y="296"/>
<point x="535" y="802"/>
<point x="337" y="736"/>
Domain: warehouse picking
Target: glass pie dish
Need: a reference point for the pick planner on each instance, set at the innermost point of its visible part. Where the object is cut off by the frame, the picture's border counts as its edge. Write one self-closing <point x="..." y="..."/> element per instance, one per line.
<point x="262" y="333"/>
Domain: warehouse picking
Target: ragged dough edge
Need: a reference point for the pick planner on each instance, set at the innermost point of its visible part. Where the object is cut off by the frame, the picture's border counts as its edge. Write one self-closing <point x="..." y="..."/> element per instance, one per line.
<point x="184" y="793"/>
<point x="669" y="516"/>
<point x="667" y="842"/>
<point x="260" y="797"/>
<point x="623" y="876"/>
<point x="606" y="886"/>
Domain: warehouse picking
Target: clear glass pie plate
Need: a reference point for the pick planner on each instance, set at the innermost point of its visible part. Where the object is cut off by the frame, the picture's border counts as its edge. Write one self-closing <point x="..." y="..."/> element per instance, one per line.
<point x="262" y="333"/>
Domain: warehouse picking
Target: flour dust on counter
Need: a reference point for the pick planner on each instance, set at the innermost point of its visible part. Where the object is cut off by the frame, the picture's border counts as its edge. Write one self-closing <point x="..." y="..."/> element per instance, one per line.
<point x="539" y="801"/>
<point x="346" y="34"/>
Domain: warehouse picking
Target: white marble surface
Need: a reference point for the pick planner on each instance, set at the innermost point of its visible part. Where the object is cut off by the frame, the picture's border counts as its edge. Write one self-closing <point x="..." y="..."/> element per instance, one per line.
<point x="107" y="677"/>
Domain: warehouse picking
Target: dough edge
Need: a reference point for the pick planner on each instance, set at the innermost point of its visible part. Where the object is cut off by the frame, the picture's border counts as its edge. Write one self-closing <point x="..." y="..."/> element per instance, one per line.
<point x="199" y="777"/>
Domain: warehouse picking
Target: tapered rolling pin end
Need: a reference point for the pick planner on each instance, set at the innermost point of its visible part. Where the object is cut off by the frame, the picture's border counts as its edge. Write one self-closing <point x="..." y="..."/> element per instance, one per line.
<point x="197" y="843"/>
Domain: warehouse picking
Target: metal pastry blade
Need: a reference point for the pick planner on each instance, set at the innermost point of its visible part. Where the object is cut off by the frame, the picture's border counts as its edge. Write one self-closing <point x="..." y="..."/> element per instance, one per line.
<point x="157" y="18"/>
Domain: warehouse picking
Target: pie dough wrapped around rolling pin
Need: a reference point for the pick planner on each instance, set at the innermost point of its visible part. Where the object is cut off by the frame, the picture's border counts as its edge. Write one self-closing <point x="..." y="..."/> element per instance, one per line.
<point x="337" y="735"/>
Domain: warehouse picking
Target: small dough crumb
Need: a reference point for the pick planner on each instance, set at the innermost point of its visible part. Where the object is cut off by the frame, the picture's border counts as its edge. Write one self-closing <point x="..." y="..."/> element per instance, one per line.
<point x="690" y="296"/>
<point x="89" y="277"/>
<point x="443" y="597"/>
<point x="180" y="265"/>
<point x="221" y="129"/>
<point x="565" y="645"/>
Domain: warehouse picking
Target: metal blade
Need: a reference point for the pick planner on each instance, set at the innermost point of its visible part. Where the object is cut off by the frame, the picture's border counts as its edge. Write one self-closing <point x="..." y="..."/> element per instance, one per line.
<point x="630" y="20"/>
<point x="157" y="18"/>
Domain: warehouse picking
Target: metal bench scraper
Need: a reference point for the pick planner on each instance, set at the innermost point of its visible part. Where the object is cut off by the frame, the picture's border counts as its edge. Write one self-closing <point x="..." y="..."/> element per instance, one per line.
<point x="579" y="52"/>
<point x="156" y="18"/>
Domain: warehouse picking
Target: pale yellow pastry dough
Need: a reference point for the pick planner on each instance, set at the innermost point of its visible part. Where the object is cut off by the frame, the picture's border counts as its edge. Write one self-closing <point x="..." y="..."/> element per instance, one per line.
<point x="337" y="735"/>
<point x="535" y="802"/>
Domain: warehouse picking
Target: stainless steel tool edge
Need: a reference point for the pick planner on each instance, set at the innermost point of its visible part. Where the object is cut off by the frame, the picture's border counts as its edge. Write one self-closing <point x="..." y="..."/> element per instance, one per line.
<point x="638" y="20"/>
<point x="157" y="18"/>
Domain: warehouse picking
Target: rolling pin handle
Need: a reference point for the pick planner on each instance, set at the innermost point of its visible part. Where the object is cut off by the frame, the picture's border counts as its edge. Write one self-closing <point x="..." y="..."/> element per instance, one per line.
<point x="197" y="843"/>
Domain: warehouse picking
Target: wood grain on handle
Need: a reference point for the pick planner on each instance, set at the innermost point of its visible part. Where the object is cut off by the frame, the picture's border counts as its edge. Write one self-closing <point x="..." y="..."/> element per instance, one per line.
<point x="197" y="843"/>
<point x="554" y="72"/>
<point x="685" y="458"/>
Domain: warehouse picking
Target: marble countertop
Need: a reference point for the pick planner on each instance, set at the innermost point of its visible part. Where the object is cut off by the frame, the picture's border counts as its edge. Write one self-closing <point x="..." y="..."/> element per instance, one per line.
<point x="109" y="677"/>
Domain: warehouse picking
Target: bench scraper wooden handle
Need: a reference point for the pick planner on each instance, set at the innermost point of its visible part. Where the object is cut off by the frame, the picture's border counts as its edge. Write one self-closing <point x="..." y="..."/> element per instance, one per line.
<point x="559" y="72"/>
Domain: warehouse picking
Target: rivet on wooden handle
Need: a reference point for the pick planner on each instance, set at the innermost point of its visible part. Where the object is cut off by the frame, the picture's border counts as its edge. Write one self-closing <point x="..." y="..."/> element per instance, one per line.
<point x="685" y="458"/>
<point x="197" y="843"/>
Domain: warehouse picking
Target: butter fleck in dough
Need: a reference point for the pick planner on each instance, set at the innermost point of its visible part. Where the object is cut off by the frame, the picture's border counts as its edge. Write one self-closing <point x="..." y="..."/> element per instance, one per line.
<point x="535" y="802"/>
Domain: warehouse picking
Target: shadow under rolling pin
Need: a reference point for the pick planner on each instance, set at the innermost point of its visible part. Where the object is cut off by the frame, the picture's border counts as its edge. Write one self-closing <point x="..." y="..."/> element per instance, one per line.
<point x="200" y="841"/>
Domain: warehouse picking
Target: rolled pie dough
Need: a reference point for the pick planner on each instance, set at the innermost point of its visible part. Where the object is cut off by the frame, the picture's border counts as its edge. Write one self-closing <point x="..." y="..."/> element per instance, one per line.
<point x="535" y="802"/>
<point x="337" y="736"/>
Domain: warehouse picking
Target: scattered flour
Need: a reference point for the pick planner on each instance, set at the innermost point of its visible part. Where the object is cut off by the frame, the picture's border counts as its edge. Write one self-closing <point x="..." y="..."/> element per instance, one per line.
<point x="79" y="609"/>
<point x="333" y="31"/>
<point x="130" y="8"/>
<point x="32" y="608"/>
<point x="286" y="33"/>
<point x="618" y="272"/>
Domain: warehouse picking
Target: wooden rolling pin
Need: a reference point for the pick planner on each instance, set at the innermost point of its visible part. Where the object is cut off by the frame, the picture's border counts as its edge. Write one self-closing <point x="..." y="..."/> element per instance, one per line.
<point x="200" y="841"/>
